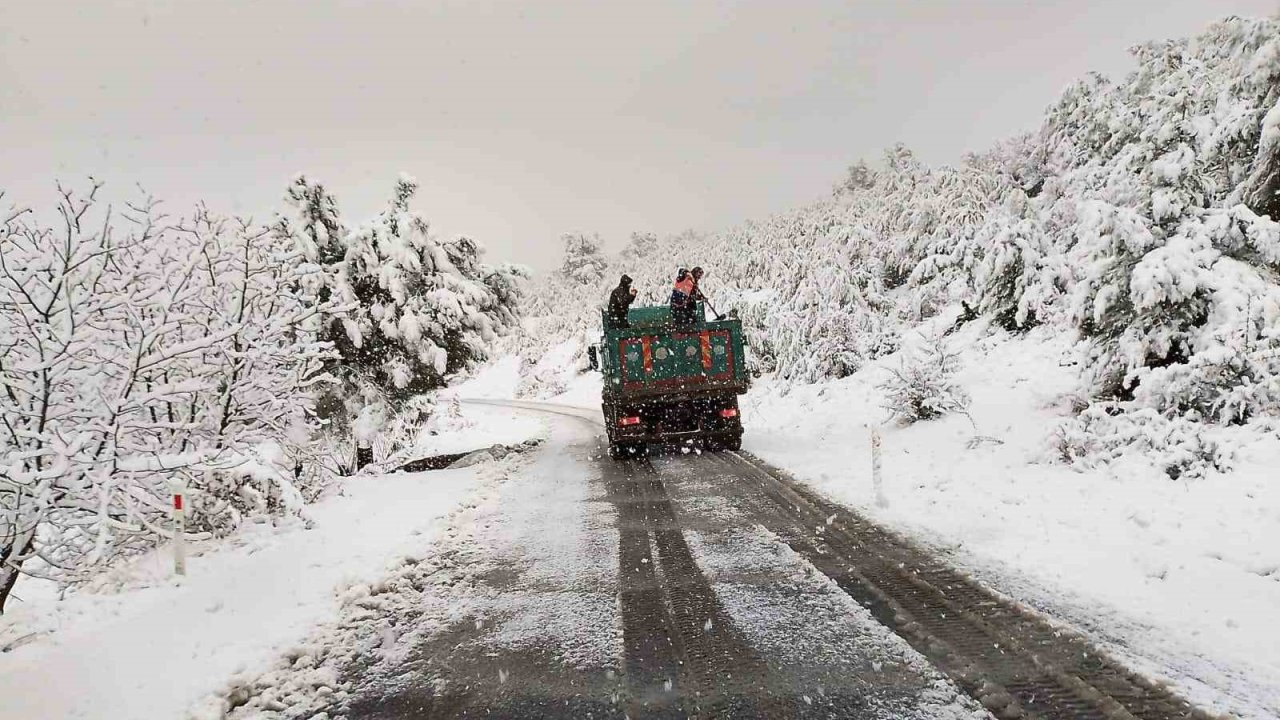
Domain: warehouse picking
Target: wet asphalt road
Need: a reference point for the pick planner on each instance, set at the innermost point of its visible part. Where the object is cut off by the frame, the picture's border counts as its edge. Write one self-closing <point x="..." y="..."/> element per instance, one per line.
<point x="709" y="585"/>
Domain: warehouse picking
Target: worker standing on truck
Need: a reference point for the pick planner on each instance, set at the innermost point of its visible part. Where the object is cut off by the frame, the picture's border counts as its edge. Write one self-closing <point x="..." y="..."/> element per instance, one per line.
<point x="685" y="296"/>
<point x="620" y="301"/>
<point x="696" y="295"/>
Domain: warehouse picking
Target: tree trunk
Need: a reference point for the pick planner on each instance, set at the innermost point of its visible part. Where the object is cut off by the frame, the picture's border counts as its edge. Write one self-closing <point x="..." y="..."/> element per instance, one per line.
<point x="11" y="562"/>
<point x="364" y="456"/>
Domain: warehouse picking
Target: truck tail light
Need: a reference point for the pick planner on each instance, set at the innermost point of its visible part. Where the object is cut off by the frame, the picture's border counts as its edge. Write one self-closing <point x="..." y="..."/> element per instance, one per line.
<point x="625" y="421"/>
<point x="729" y="412"/>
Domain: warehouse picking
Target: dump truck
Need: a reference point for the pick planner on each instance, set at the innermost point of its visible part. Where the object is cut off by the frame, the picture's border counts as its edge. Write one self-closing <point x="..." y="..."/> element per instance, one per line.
<point x="670" y="383"/>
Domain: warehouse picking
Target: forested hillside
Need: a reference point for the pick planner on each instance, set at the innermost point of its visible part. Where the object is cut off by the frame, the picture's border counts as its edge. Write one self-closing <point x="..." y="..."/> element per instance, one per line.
<point x="1140" y="217"/>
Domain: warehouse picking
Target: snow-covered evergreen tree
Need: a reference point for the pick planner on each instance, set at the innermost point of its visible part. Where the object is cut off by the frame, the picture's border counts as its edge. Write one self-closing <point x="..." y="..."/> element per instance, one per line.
<point x="923" y="387"/>
<point x="584" y="263"/>
<point x="422" y="308"/>
<point x="417" y="309"/>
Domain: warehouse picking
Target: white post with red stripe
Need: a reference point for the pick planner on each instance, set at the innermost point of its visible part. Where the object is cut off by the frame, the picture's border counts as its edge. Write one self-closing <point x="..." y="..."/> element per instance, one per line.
<point x="179" y="491"/>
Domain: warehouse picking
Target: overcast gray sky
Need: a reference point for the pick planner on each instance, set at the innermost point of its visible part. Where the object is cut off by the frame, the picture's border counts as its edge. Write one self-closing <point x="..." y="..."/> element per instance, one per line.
<point x="525" y="120"/>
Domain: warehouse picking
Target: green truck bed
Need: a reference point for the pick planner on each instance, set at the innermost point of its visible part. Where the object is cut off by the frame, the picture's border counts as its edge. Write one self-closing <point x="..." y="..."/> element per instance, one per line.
<point x="664" y="382"/>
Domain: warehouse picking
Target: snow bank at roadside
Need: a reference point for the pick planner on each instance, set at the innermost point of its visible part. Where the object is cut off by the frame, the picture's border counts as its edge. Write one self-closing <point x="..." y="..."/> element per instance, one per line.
<point x="556" y="379"/>
<point x="154" y="647"/>
<point x="1179" y="577"/>
<point x="495" y="568"/>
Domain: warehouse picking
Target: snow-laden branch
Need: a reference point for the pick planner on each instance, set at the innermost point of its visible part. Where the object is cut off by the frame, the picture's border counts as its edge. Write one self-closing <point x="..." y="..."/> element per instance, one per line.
<point x="139" y="351"/>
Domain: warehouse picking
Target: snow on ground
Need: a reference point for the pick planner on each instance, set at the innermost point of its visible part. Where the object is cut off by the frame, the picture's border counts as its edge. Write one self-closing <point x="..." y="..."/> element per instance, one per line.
<point x="495" y="569"/>
<point x="422" y="592"/>
<point x="147" y="645"/>
<point x="474" y="428"/>
<point x="498" y="380"/>
<point x="509" y="378"/>
<point x="1179" y="577"/>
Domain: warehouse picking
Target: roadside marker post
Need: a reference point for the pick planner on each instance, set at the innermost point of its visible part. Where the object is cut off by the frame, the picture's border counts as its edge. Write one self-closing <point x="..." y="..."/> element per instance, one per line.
<point x="179" y="528"/>
<point x="881" y="500"/>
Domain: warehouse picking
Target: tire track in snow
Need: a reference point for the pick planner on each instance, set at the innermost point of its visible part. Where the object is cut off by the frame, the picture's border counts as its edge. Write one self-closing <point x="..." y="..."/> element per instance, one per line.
<point x="1017" y="664"/>
<point x="683" y="654"/>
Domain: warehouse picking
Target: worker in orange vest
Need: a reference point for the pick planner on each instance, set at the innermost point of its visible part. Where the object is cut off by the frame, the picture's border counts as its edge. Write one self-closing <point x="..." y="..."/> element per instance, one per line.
<point x="685" y="296"/>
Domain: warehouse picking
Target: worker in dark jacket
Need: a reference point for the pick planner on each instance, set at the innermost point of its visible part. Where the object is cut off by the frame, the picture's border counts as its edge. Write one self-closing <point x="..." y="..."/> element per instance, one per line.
<point x="696" y="296"/>
<point x="620" y="301"/>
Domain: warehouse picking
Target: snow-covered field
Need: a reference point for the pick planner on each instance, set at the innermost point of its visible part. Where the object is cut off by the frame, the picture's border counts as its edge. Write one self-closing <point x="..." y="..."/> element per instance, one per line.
<point x="1180" y="578"/>
<point x="144" y="644"/>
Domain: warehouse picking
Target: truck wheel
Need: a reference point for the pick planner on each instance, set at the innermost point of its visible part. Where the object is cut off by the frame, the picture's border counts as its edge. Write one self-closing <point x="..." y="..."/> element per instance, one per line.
<point x="733" y="443"/>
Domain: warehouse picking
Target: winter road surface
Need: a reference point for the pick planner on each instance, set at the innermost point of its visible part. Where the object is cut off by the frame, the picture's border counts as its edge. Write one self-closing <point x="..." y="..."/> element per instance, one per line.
<point x="710" y="585"/>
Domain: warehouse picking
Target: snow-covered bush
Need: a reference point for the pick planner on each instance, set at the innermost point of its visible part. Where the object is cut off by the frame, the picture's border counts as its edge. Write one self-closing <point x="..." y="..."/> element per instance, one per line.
<point x="1105" y="432"/>
<point x="923" y="386"/>
<point x="263" y="482"/>
<point x="1019" y="277"/>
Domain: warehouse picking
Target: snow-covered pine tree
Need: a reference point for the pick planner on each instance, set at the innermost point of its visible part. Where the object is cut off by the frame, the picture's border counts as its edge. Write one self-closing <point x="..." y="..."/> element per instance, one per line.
<point x="584" y="263"/>
<point x="419" y="309"/>
<point x="1018" y="276"/>
<point x="1156" y="245"/>
<point x="923" y="387"/>
<point x="640" y="246"/>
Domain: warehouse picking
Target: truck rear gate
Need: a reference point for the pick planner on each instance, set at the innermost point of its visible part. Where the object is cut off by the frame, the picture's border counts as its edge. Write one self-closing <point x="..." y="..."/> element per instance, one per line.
<point x="667" y="383"/>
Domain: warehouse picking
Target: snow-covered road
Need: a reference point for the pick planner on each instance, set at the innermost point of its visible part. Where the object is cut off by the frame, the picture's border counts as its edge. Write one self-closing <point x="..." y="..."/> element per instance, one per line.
<point x="592" y="591"/>
<point x="559" y="583"/>
<point x="685" y="585"/>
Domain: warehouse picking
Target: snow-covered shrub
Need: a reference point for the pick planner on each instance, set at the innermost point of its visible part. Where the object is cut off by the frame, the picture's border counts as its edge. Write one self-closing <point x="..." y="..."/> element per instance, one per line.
<point x="1175" y="444"/>
<point x="1153" y="302"/>
<point x="549" y="376"/>
<point x="261" y="483"/>
<point x="923" y="386"/>
<point x="1222" y="385"/>
<point x="1020" y="276"/>
<point x="401" y="433"/>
